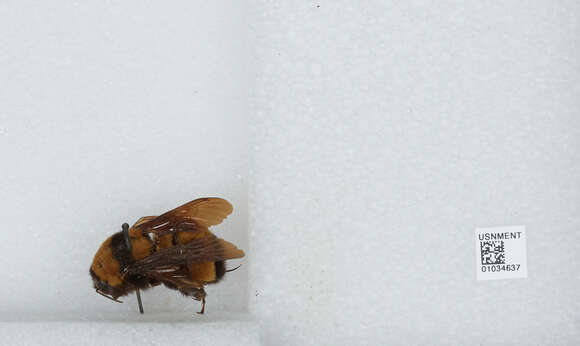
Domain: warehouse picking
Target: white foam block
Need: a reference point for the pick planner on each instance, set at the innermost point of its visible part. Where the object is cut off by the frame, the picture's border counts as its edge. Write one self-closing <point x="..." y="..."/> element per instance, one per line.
<point x="110" y="112"/>
<point x="384" y="134"/>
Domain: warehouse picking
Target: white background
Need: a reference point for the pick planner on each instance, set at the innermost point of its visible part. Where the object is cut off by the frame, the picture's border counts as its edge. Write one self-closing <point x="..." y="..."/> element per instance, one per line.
<point x="382" y="134"/>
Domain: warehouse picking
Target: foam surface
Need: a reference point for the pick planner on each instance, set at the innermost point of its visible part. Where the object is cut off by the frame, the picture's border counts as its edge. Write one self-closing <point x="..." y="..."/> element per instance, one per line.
<point x="384" y="133"/>
<point x="150" y="329"/>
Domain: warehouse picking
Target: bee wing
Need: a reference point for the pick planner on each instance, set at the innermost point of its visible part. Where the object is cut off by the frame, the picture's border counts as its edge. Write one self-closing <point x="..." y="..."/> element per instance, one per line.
<point x="176" y="277"/>
<point x="143" y="220"/>
<point x="197" y="214"/>
<point x="170" y="261"/>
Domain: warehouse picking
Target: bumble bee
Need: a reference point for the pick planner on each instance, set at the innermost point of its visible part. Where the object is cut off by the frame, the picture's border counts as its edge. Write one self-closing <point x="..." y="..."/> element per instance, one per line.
<point x="175" y="249"/>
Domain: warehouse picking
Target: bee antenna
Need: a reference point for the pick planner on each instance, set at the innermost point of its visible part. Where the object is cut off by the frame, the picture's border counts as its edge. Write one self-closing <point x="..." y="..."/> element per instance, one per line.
<point x="125" y="228"/>
<point x="108" y="296"/>
<point x="231" y="270"/>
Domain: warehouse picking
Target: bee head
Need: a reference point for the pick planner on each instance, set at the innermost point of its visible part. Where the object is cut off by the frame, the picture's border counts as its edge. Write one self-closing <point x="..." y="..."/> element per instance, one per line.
<point x="105" y="272"/>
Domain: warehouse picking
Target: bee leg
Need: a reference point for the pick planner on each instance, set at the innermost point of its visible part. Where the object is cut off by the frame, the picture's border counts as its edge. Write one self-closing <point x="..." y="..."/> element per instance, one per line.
<point x="200" y="295"/>
<point x="202" y="305"/>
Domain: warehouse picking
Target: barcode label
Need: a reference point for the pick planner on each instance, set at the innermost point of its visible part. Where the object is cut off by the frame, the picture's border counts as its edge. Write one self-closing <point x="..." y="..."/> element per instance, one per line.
<point x="501" y="253"/>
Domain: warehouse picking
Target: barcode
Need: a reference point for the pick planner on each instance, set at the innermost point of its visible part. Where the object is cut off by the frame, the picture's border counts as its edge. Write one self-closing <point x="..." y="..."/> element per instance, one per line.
<point x="492" y="252"/>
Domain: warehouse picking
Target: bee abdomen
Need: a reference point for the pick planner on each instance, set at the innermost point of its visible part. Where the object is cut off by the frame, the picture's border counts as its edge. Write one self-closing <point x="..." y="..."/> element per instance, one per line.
<point x="220" y="270"/>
